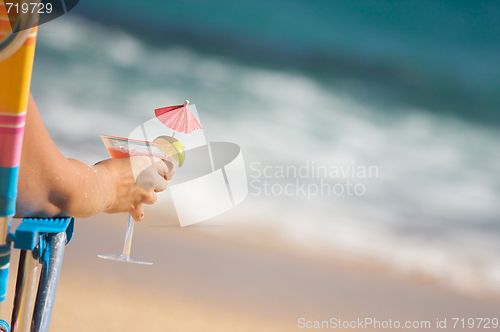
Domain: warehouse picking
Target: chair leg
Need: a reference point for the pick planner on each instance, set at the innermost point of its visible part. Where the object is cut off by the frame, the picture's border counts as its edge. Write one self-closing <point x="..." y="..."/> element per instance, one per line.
<point x="24" y="297"/>
<point x="48" y="283"/>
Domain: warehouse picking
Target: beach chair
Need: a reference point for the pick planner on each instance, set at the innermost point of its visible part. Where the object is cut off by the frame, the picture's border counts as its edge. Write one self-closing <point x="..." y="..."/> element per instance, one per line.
<point x="40" y="241"/>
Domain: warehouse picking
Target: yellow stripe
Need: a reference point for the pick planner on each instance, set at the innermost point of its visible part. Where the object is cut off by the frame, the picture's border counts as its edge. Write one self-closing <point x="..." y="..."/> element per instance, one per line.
<point x="16" y="70"/>
<point x="16" y="78"/>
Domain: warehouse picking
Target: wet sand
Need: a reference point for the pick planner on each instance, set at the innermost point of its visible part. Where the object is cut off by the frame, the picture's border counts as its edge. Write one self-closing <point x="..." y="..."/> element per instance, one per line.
<point x="215" y="277"/>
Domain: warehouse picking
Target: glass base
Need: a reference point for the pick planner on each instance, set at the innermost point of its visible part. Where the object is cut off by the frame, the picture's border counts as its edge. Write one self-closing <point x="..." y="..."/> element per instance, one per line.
<point x="126" y="259"/>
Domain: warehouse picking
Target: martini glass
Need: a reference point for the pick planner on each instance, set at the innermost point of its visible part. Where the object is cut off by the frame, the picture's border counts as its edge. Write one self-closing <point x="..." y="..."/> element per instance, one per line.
<point x="119" y="147"/>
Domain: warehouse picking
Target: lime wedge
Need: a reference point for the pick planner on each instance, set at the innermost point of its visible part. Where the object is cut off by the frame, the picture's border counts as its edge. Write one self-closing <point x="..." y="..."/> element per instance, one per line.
<point x="173" y="147"/>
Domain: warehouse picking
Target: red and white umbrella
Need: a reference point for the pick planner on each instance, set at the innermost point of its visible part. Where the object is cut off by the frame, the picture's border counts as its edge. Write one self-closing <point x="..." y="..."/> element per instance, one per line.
<point x="178" y="118"/>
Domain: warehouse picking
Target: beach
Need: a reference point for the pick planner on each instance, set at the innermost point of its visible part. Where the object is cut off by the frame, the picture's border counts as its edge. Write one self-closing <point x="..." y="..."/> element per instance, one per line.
<point x="218" y="276"/>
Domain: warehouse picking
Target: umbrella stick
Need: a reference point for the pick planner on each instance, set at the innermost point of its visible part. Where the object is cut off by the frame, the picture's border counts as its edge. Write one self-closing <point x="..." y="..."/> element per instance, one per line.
<point x="186" y="102"/>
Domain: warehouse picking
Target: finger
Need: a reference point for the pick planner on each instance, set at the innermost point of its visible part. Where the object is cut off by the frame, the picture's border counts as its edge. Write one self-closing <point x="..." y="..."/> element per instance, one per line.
<point x="150" y="197"/>
<point x="141" y="163"/>
<point x="161" y="185"/>
<point x="150" y="179"/>
<point x="137" y="212"/>
<point x="170" y="169"/>
<point x="161" y="176"/>
<point x="165" y="168"/>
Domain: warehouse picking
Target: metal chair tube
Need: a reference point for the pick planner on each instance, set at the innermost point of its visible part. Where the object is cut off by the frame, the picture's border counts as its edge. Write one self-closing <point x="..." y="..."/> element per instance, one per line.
<point x="25" y="291"/>
<point x="48" y="283"/>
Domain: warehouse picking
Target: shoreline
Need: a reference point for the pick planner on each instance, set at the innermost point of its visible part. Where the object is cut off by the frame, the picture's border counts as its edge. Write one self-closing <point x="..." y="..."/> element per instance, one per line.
<point x="214" y="277"/>
<point x="264" y="238"/>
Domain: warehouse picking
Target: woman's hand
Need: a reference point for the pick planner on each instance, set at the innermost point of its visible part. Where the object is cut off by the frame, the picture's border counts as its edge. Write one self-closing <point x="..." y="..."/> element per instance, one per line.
<point x="135" y="180"/>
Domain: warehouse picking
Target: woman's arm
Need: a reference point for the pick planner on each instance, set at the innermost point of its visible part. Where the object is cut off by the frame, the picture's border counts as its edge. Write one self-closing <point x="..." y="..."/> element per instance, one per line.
<point x="52" y="185"/>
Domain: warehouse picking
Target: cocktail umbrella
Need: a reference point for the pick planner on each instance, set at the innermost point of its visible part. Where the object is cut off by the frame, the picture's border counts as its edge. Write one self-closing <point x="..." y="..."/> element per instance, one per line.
<point x="178" y="118"/>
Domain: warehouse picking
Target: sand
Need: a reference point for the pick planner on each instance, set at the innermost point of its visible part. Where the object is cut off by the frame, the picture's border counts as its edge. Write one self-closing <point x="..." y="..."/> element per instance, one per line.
<point x="229" y="277"/>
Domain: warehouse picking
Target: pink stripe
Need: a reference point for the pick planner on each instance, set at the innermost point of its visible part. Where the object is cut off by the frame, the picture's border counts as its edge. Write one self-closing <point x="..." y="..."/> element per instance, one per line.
<point x="11" y="142"/>
<point x="12" y="119"/>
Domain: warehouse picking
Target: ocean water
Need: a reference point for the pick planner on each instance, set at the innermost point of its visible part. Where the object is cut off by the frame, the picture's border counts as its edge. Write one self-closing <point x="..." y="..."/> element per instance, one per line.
<point x="438" y="55"/>
<point x="430" y="208"/>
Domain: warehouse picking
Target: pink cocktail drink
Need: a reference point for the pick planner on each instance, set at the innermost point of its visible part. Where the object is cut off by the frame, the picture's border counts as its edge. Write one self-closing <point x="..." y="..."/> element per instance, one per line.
<point x="120" y="153"/>
<point x="119" y="148"/>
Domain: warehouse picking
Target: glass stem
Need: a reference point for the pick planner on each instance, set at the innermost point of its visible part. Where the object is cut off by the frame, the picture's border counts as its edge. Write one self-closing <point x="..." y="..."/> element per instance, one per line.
<point x="128" y="236"/>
